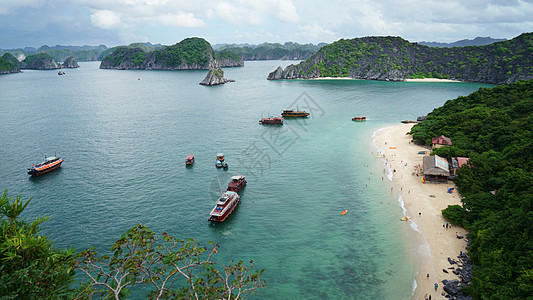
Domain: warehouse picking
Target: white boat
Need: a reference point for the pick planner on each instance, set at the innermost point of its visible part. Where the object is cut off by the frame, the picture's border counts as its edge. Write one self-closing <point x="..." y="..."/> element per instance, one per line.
<point x="224" y="206"/>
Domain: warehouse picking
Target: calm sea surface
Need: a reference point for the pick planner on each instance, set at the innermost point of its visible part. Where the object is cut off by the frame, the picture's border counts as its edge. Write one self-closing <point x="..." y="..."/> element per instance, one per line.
<point x="124" y="136"/>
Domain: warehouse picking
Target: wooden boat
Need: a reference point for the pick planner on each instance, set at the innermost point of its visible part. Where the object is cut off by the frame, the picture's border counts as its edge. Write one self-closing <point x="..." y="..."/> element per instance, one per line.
<point x="224" y="206"/>
<point x="359" y="118"/>
<point x="50" y="163"/>
<point x="189" y="160"/>
<point x="237" y="183"/>
<point x="221" y="164"/>
<point x="272" y="120"/>
<point x="291" y="113"/>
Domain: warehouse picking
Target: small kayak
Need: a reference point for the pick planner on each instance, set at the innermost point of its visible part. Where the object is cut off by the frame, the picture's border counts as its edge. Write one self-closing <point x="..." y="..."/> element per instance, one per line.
<point x="344" y="212"/>
<point x="405" y="218"/>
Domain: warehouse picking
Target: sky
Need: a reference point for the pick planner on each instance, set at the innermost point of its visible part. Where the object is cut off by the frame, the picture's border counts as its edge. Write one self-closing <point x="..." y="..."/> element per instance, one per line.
<point x="33" y="23"/>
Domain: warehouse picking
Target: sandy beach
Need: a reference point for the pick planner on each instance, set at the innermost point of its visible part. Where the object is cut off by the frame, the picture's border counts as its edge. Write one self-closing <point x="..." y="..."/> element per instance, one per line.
<point x="431" y="80"/>
<point x="435" y="242"/>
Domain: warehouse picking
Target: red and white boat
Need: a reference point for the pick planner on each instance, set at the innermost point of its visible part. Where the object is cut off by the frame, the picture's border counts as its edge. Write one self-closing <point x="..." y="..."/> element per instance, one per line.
<point x="51" y="163"/>
<point x="224" y="206"/>
<point x="272" y="120"/>
<point x="237" y="183"/>
<point x="189" y="160"/>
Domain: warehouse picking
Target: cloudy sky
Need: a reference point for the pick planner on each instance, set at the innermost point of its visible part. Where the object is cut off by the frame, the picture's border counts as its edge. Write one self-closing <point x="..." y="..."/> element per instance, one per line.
<point x="116" y="22"/>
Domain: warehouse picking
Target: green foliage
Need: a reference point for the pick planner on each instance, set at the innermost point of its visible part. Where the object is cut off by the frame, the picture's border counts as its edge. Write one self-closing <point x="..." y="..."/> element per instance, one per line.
<point x="190" y="51"/>
<point x="176" y="269"/>
<point x="35" y="58"/>
<point x="494" y="127"/>
<point x="31" y="268"/>
<point x="8" y="63"/>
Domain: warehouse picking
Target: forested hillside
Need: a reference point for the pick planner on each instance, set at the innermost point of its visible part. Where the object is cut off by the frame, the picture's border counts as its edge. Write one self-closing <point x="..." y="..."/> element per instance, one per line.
<point x="494" y="128"/>
<point x="395" y="59"/>
<point x="274" y="51"/>
<point x="189" y="54"/>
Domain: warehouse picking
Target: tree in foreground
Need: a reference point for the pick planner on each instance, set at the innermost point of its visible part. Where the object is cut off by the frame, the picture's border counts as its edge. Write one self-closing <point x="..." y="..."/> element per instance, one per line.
<point x="174" y="268"/>
<point x="30" y="267"/>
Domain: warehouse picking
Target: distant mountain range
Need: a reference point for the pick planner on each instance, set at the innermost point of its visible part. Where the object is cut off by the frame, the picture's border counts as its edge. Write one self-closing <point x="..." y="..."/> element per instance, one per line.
<point x="478" y="41"/>
<point x="264" y="51"/>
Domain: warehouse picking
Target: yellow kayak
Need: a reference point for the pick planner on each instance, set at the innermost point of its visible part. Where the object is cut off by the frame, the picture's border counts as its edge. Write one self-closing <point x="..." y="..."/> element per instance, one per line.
<point x="405" y="218"/>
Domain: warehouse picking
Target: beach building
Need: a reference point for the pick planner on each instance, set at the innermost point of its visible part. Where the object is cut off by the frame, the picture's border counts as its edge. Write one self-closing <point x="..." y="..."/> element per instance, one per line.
<point x="436" y="169"/>
<point x="457" y="163"/>
<point x="440" y="141"/>
<point x="462" y="161"/>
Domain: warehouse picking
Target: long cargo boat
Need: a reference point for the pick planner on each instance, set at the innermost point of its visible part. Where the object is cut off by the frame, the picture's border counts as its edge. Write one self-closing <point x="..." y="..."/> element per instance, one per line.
<point x="291" y="113"/>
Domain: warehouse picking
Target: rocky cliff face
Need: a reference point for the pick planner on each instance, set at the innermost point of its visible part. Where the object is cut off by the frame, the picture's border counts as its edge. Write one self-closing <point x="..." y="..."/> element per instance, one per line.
<point x="395" y="59"/>
<point x="215" y="77"/>
<point x="70" y="63"/>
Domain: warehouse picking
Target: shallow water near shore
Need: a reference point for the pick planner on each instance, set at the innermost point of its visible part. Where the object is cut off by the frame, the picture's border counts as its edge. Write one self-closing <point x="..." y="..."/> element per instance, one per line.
<point x="124" y="136"/>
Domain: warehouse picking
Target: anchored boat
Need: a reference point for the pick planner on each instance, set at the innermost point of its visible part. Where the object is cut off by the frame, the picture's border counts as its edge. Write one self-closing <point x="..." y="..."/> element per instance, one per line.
<point x="237" y="183"/>
<point x="359" y="118"/>
<point x="224" y="206"/>
<point x="189" y="160"/>
<point x="50" y="163"/>
<point x="272" y="120"/>
<point x="291" y="113"/>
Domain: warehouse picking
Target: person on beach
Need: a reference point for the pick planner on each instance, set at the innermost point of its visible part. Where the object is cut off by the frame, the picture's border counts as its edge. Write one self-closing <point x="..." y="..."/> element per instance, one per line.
<point x="436" y="286"/>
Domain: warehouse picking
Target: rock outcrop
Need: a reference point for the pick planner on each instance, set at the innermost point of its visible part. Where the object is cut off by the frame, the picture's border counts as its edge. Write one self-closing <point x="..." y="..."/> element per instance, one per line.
<point x="215" y="76"/>
<point x="9" y="64"/>
<point x="70" y="62"/>
<point x="395" y="59"/>
<point x="39" y="61"/>
<point x="189" y="54"/>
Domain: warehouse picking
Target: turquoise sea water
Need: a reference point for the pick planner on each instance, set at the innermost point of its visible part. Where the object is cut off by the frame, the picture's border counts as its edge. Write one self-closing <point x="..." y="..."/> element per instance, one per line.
<point x="124" y="136"/>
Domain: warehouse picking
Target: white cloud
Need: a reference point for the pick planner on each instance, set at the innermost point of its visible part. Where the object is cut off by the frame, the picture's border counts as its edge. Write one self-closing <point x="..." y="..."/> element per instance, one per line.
<point x="105" y="19"/>
<point x="8" y="6"/>
<point x="181" y="19"/>
<point x="237" y="15"/>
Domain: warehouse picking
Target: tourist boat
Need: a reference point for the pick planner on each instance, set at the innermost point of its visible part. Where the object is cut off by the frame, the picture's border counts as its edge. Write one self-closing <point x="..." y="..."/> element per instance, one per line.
<point x="237" y="183"/>
<point x="224" y="206"/>
<point x="272" y="120"/>
<point x="359" y="118"/>
<point x="50" y="163"/>
<point x="294" y="113"/>
<point x="189" y="160"/>
<point x="221" y="164"/>
<point x="220" y="156"/>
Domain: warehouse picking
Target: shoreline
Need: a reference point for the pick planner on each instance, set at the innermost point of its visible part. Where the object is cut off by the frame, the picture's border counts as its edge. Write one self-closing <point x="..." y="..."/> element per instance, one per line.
<point x="431" y="80"/>
<point x="405" y="80"/>
<point x="434" y="243"/>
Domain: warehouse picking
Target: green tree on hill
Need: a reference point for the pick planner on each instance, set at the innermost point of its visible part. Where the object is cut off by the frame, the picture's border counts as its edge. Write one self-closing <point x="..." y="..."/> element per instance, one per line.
<point x="494" y="127"/>
<point x="31" y="267"/>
